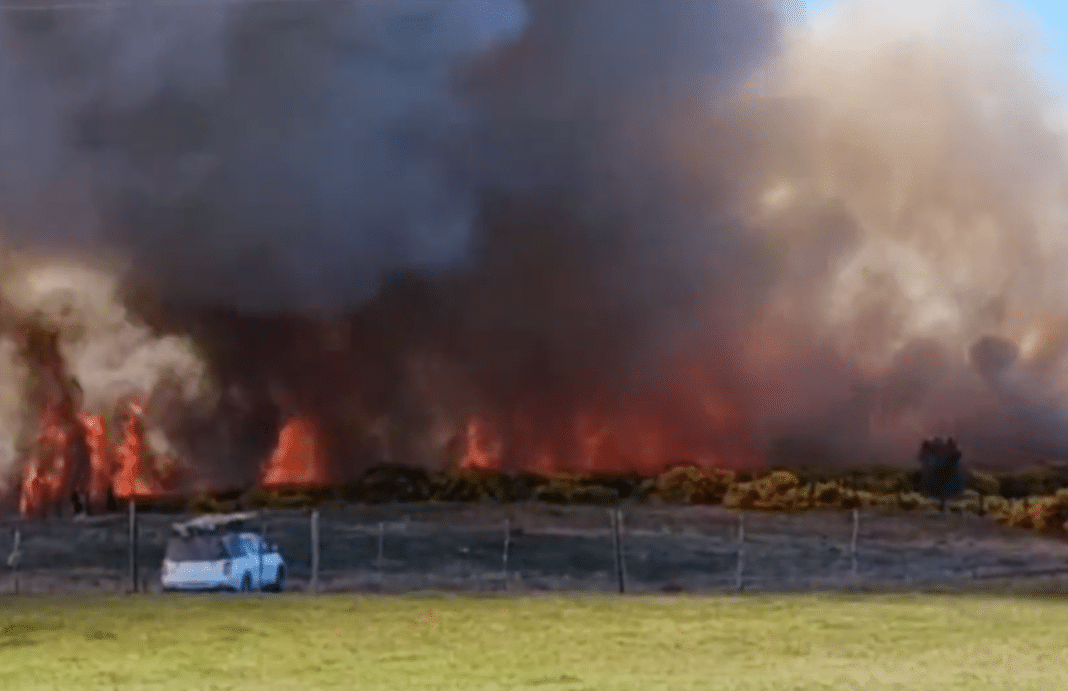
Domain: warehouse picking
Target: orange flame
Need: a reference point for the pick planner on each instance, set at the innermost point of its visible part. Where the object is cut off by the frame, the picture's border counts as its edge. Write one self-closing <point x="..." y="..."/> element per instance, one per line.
<point x="36" y="493"/>
<point x="644" y="436"/>
<point x="101" y="462"/>
<point x="299" y="459"/>
<point x="51" y="472"/>
<point x="483" y="446"/>
<point x="134" y="478"/>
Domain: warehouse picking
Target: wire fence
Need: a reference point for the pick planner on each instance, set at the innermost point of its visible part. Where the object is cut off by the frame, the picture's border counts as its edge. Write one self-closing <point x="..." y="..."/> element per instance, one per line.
<point x="532" y="547"/>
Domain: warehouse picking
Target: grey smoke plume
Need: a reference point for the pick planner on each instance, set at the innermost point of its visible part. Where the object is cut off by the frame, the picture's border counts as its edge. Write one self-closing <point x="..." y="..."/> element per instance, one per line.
<point x="112" y="355"/>
<point x="589" y="199"/>
<point x="275" y="157"/>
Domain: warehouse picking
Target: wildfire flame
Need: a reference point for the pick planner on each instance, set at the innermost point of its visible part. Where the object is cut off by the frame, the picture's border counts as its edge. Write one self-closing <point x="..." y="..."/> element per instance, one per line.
<point x="299" y="459"/>
<point x="135" y="477"/>
<point x="684" y="422"/>
<point x="72" y="454"/>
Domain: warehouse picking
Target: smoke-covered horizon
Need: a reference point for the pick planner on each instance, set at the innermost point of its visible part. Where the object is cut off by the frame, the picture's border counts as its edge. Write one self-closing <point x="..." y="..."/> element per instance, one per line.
<point x="699" y="219"/>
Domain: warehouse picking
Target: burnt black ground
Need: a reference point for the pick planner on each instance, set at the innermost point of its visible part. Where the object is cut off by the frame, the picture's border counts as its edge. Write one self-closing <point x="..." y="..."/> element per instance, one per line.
<point x="553" y="548"/>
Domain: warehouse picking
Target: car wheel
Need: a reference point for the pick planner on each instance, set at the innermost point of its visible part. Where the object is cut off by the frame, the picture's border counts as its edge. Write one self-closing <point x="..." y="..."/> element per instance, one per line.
<point x="246" y="583"/>
<point x="279" y="580"/>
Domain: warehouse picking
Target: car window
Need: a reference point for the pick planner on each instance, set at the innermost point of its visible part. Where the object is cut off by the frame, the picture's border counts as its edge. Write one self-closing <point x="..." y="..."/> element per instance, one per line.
<point x="196" y="548"/>
<point x="236" y="546"/>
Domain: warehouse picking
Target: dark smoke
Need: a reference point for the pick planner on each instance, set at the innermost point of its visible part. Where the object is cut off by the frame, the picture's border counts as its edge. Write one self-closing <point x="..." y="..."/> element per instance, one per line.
<point x="530" y="209"/>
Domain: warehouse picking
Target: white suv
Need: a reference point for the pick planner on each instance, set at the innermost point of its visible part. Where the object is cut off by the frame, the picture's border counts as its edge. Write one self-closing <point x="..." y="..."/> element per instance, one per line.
<point x="221" y="560"/>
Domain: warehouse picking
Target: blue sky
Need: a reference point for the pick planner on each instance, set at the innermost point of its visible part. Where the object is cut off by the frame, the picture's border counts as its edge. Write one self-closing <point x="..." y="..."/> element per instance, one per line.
<point x="1052" y="18"/>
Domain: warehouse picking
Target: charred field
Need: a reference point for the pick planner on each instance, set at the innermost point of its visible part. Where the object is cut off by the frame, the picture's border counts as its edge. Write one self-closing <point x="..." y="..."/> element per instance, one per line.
<point x="400" y="531"/>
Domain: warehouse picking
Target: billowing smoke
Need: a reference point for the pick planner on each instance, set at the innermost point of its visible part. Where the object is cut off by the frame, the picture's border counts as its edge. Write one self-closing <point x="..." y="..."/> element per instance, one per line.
<point x="112" y="355"/>
<point x="754" y="237"/>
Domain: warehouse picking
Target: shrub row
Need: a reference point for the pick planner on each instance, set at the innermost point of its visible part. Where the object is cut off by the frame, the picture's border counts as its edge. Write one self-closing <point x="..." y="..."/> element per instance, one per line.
<point x="1043" y="506"/>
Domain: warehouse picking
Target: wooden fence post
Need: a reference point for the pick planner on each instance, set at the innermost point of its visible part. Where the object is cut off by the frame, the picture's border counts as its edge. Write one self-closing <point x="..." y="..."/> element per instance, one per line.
<point x="507" y="547"/>
<point x="381" y="558"/>
<point x="740" y="572"/>
<point x="15" y="557"/>
<point x="853" y="544"/>
<point x="134" y="581"/>
<point x="615" y="516"/>
<point x="315" y="551"/>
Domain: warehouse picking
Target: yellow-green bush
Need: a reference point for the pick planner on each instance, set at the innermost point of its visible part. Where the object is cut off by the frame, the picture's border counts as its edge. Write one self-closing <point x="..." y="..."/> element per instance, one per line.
<point x="828" y="494"/>
<point x="998" y="507"/>
<point x="741" y="496"/>
<point x="690" y="485"/>
<point x="777" y="483"/>
<point x="1048" y="514"/>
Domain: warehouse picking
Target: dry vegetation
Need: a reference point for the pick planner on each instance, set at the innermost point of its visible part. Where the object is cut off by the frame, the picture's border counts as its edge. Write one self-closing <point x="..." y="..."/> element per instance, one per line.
<point x="1034" y="499"/>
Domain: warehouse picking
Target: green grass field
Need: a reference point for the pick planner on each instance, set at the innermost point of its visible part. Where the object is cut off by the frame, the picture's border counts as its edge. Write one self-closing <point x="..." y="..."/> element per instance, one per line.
<point x="296" y="643"/>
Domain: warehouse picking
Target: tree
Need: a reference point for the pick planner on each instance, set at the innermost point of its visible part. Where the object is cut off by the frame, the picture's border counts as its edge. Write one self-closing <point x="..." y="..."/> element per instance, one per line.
<point x="941" y="474"/>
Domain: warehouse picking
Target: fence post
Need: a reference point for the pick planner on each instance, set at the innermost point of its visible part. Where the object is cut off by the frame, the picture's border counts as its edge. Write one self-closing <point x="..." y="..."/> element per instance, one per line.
<point x="381" y="558"/>
<point x="315" y="551"/>
<point x="15" y="557"/>
<point x="133" y="546"/>
<point x="263" y="546"/>
<point x="614" y="516"/>
<point x="507" y="547"/>
<point x="739" y="574"/>
<point x="853" y="544"/>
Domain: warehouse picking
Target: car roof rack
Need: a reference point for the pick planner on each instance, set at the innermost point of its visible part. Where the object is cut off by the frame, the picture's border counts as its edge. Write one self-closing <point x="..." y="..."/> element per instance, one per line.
<point x="214" y="523"/>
